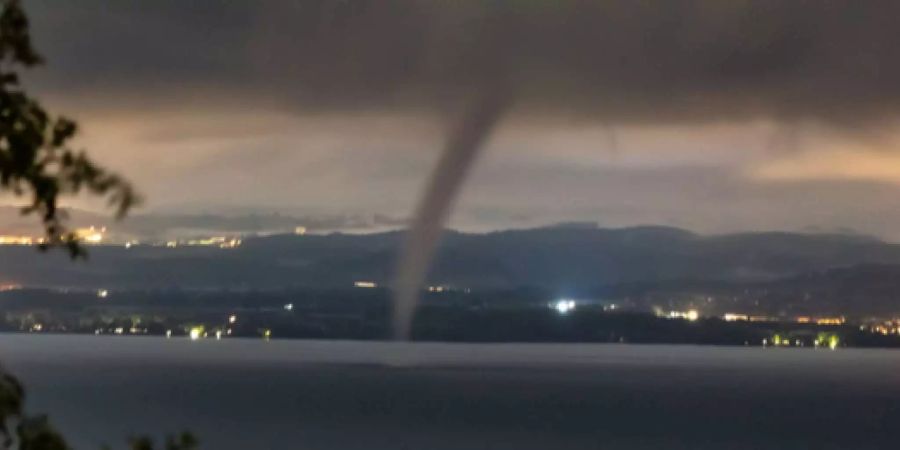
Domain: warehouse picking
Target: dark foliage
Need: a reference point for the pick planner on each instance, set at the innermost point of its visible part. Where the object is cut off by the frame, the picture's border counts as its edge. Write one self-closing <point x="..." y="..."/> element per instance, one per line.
<point x="36" y="159"/>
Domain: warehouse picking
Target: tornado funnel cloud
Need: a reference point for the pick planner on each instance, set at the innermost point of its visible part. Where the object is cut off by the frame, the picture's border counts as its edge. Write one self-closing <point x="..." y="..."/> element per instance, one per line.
<point x="461" y="149"/>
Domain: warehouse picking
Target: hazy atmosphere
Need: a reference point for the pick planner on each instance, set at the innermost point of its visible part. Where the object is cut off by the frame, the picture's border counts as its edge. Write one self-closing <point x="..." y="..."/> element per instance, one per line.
<point x="709" y="116"/>
<point x="449" y="224"/>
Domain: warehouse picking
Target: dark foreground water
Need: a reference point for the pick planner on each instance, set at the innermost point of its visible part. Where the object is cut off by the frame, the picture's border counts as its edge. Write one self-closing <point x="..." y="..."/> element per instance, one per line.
<point x="251" y="394"/>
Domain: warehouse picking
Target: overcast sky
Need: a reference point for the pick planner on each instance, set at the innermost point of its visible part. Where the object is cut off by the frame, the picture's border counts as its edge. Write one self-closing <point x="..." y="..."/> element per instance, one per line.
<point x="710" y="115"/>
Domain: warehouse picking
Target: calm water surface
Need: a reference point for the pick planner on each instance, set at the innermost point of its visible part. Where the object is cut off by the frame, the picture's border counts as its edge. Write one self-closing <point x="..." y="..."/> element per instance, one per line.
<point x="243" y="394"/>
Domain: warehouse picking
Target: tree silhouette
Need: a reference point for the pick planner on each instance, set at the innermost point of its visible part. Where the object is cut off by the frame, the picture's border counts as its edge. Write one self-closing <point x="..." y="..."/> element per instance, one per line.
<point x="37" y="161"/>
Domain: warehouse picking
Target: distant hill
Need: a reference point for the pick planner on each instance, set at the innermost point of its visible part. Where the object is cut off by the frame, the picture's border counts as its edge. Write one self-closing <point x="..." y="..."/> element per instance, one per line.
<point x="863" y="289"/>
<point x="568" y="257"/>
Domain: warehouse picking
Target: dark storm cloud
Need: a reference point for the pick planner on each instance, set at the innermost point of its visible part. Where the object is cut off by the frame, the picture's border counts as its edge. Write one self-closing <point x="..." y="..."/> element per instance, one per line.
<point x="627" y="61"/>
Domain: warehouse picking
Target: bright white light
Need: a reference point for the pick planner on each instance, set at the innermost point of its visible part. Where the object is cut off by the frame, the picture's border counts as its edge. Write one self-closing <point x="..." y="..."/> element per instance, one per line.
<point x="218" y="334"/>
<point x="692" y="315"/>
<point x="232" y="318"/>
<point x="102" y="293"/>
<point x="564" y="306"/>
<point x="289" y="307"/>
<point x="168" y="333"/>
<point x="195" y="333"/>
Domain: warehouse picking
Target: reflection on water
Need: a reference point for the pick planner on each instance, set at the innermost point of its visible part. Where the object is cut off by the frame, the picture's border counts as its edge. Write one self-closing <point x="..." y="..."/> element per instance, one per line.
<point x="238" y="394"/>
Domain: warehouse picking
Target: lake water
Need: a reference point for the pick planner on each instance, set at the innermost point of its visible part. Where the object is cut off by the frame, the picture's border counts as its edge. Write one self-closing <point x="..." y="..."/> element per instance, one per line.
<point x="252" y="394"/>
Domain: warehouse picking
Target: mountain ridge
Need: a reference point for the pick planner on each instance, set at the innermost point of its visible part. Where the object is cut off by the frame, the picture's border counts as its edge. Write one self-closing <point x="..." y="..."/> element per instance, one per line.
<point x="548" y="257"/>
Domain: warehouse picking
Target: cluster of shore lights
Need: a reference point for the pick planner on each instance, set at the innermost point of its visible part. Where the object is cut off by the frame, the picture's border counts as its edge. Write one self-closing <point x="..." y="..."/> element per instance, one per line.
<point x="88" y="235"/>
<point x="822" y="320"/>
<point x="198" y="332"/>
<point x="215" y="241"/>
<point x="91" y="235"/>
<point x="20" y="240"/>
<point x="691" y="315"/>
<point x="832" y="341"/>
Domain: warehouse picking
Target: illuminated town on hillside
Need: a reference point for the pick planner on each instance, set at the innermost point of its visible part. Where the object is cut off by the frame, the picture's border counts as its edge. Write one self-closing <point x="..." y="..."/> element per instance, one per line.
<point x="753" y="315"/>
<point x="362" y="315"/>
<point x="95" y="235"/>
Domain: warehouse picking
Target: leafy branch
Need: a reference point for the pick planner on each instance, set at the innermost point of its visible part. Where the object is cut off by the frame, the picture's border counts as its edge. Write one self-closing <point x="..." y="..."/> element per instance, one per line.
<point x="36" y="159"/>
